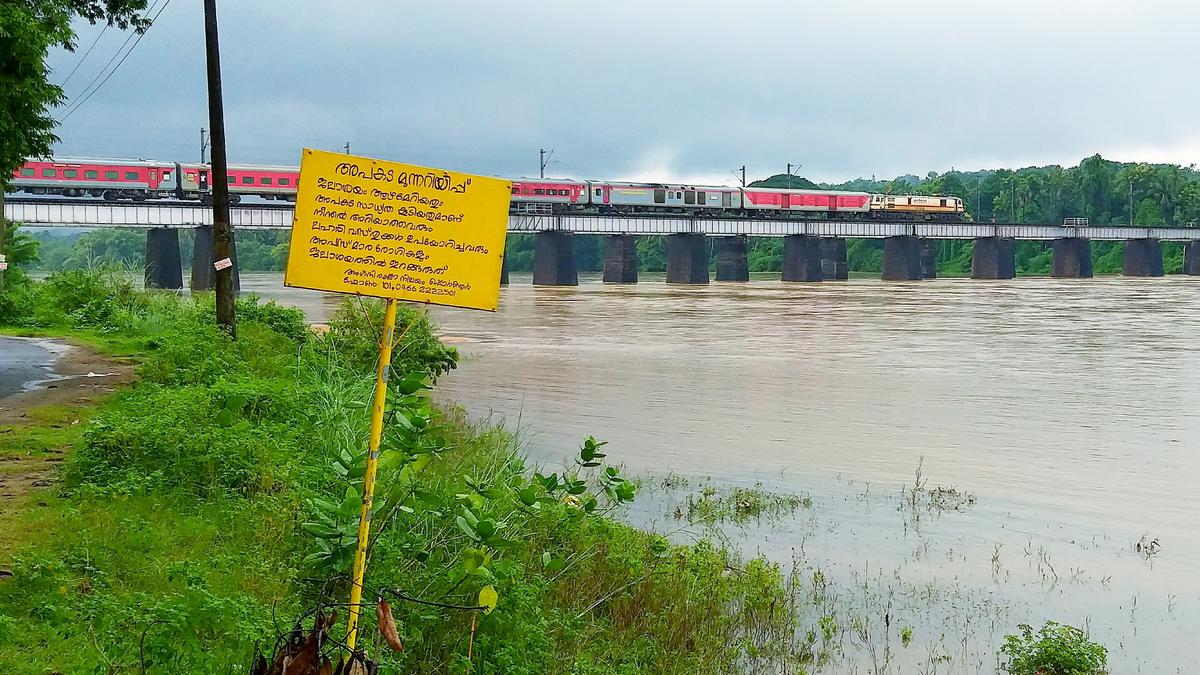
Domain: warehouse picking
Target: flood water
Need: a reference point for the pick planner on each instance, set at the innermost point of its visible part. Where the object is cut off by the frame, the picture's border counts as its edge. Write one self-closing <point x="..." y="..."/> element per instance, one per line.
<point x="24" y="363"/>
<point x="1069" y="410"/>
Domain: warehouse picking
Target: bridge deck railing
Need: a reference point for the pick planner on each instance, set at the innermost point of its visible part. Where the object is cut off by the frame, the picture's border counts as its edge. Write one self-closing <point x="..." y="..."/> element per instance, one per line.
<point x="50" y="213"/>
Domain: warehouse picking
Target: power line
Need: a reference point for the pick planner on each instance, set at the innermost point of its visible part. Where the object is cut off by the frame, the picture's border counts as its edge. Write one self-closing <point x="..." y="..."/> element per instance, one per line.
<point x="111" y="59"/>
<point x="112" y="72"/>
<point x="85" y="55"/>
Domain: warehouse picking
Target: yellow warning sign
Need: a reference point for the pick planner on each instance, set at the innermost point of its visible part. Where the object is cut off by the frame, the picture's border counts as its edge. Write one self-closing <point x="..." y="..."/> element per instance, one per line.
<point x="370" y="227"/>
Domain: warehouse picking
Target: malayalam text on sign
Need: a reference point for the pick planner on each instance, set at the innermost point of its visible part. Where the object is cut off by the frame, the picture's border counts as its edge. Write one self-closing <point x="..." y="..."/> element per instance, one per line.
<point x="390" y="230"/>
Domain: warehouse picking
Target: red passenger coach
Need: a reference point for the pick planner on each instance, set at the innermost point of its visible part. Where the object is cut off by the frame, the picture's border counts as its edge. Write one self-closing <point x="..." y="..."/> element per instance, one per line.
<point x="547" y="192"/>
<point x="825" y="201"/>
<point x="109" y="179"/>
<point x="269" y="182"/>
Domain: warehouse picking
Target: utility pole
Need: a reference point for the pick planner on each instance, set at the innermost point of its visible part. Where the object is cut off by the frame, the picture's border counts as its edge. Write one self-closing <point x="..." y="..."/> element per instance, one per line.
<point x="222" y="230"/>
<point x="1131" y="201"/>
<point x="1012" y="203"/>
<point x="790" y="174"/>
<point x="203" y="143"/>
<point x="3" y="228"/>
<point x="544" y="160"/>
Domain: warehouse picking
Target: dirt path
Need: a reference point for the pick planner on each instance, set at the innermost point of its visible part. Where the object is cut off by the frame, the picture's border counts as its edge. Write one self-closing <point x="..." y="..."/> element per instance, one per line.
<point x="38" y="426"/>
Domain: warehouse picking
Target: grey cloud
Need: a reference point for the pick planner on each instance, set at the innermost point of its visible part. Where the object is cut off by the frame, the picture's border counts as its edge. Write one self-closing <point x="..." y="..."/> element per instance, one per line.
<point x="853" y="88"/>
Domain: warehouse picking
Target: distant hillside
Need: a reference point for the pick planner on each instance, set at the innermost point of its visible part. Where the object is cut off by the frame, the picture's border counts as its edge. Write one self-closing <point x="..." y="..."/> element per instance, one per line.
<point x="782" y="180"/>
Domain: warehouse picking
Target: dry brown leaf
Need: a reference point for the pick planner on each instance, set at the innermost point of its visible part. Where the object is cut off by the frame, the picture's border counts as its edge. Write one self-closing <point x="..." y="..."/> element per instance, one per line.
<point x="304" y="660"/>
<point x="387" y="625"/>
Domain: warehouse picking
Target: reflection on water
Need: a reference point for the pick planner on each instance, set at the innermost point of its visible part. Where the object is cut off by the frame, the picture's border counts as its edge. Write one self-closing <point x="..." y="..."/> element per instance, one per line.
<point x="1069" y="408"/>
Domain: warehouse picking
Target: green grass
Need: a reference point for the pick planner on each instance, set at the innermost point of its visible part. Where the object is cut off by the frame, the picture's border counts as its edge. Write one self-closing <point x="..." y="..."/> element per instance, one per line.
<point x="178" y="530"/>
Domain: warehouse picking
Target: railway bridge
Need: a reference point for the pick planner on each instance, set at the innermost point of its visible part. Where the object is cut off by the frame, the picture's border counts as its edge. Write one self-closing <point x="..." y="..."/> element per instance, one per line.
<point x="814" y="250"/>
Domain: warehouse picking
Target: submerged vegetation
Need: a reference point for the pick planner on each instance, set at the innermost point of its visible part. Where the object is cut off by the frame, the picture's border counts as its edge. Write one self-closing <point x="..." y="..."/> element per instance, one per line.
<point x="738" y="505"/>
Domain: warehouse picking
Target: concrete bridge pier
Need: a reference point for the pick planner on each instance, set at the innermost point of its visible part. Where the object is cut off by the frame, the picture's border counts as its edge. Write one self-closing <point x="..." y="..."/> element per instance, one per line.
<point x="620" y="259"/>
<point x="1072" y="258"/>
<point x="802" y="258"/>
<point x="928" y="259"/>
<point x="504" y="271"/>
<point x="204" y="275"/>
<point x="1143" y="258"/>
<point x="833" y="259"/>
<point x="554" y="259"/>
<point x="164" y="267"/>
<point x="687" y="259"/>
<point x="1191" y="258"/>
<point x="732" y="264"/>
<point x="994" y="258"/>
<point x="902" y="259"/>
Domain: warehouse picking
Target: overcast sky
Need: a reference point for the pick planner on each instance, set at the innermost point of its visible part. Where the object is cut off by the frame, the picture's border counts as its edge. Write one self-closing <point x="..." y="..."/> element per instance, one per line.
<point x="658" y="90"/>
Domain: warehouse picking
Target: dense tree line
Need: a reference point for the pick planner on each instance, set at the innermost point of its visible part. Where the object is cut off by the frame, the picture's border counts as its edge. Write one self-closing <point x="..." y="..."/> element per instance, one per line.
<point x="1101" y="190"/>
<point x="257" y="250"/>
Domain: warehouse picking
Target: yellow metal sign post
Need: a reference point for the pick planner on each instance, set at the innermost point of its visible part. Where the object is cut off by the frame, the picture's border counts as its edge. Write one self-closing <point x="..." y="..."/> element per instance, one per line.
<point x="369" y="227"/>
<point x="364" y="518"/>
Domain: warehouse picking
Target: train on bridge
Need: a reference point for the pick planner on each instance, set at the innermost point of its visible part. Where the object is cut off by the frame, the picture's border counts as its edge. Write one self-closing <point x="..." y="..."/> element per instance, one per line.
<point x="140" y="180"/>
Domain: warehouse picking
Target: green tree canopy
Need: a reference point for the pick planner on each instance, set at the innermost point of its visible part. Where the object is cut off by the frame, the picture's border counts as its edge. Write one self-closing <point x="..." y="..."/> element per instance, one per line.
<point x="28" y="29"/>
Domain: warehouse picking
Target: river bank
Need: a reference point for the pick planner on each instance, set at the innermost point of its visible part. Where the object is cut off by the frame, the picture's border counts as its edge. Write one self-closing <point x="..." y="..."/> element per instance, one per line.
<point x="202" y="510"/>
<point x="57" y="386"/>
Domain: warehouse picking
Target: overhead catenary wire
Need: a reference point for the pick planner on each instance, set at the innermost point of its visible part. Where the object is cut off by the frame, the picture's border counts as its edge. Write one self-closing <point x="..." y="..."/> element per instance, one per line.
<point x="85" y="56"/>
<point x="79" y="103"/>
<point x="111" y="59"/>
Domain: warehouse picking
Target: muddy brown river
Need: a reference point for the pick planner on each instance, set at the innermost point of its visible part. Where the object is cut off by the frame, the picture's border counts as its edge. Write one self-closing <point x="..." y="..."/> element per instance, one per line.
<point x="1061" y="418"/>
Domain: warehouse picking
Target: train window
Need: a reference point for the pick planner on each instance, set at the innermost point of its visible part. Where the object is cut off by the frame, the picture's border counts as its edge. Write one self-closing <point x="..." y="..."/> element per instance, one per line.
<point x="285" y="181"/>
<point x="264" y="181"/>
<point x="701" y="198"/>
<point x="91" y="174"/>
<point x="660" y="196"/>
<point x="131" y="175"/>
<point x="111" y="175"/>
<point x="943" y="202"/>
<point x="689" y="197"/>
<point x="26" y="172"/>
<point x="516" y="190"/>
<point x="597" y="192"/>
<point x="247" y="180"/>
<point x="70" y="173"/>
<point x="539" y="191"/>
<point x="49" y="173"/>
<point x="166" y="175"/>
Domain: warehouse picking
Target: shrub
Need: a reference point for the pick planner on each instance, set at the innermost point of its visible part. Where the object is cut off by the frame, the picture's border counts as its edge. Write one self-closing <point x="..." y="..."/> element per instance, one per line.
<point x="1055" y="650"/>
<point x="18" y="299"/>
<point x="240" y="436"/>
<point x="354" y="332"/>
<point x="286" y="321"/>
<point x="87" y="298"/>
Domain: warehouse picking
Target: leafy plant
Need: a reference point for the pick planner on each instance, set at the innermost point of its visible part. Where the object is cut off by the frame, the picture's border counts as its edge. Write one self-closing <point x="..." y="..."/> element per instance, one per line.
<point x="1056" y="649"/>
<point x="355" y="329"/>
